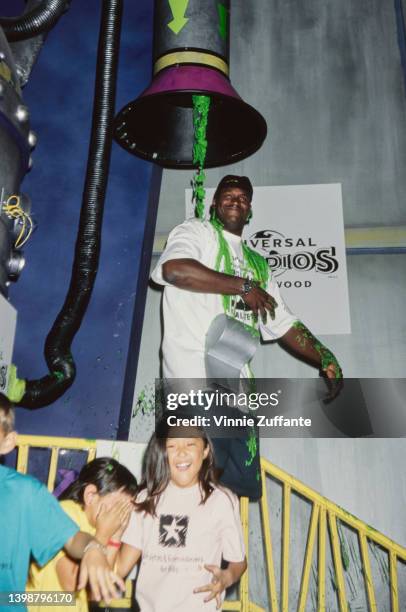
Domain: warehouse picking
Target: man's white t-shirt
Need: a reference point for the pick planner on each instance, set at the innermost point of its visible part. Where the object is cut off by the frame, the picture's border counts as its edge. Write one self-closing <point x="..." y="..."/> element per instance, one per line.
<point x="188" y="315"/>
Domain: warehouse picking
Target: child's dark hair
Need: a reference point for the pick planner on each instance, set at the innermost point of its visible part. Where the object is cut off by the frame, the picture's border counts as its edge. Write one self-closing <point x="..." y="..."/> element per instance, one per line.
<point x="156" y="465"/>
<point x="6" y="415"/>
<point x="106" y="474"/>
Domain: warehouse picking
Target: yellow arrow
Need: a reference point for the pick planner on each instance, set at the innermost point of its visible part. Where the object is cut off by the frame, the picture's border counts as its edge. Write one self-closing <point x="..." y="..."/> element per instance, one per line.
<point x="178" y="8"/>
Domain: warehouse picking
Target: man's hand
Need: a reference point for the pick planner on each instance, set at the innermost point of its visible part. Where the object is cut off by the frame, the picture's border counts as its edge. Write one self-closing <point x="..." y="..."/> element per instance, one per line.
<point x="260" y="302"/>
<point x="300" y="341"/>
<point x="333" y="370"/>
<point x="218" y="584"/>
<point x="95" y="570"/>
<point x="334" y="381"/>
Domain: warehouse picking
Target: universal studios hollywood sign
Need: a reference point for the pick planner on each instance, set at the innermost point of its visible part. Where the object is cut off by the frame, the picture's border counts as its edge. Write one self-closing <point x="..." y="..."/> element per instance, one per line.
<point x="299" y="230"/>
<point x="270" y="243"/>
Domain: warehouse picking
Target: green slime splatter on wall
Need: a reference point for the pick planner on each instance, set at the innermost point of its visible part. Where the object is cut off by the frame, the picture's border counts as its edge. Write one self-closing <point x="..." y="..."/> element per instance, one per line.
<point x="145" y="401"/>
<point x="150" y="399"/>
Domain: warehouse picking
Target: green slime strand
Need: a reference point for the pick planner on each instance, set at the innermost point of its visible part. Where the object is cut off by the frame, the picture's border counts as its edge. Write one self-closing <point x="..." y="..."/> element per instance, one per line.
<point x="252" y="445"/>
<point x="326" y="356"/>
<point x="201" y="105"/>
<point x="224" y="263"/>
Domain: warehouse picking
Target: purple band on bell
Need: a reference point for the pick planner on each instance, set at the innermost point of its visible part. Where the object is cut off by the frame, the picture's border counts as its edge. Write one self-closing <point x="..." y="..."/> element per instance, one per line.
<point x="185" y="78"/>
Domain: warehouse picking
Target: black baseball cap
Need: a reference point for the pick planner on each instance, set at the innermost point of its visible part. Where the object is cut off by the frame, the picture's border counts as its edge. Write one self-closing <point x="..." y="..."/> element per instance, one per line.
<point x="231" y="180"/>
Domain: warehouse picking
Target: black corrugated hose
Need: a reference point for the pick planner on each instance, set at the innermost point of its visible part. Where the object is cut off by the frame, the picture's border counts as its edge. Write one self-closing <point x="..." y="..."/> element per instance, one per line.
<point x="40" y="19"/>
<point x="58" y="343"/>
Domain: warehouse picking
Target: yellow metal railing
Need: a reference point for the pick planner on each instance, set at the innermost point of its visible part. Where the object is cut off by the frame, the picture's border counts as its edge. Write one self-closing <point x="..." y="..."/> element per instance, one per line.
<point x="324" y="519"/>
<point x="323" y="525"/>
<point x="24" y="443"/>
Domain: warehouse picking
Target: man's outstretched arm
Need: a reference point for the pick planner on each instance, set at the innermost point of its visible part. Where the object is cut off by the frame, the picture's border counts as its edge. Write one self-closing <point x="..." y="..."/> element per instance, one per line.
<point x="191" y="275"/>
<point x="300" y="341"/>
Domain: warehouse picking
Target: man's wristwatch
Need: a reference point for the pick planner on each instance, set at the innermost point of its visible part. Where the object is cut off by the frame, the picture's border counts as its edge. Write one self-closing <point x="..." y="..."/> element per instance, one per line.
<point x="246" y="286"/>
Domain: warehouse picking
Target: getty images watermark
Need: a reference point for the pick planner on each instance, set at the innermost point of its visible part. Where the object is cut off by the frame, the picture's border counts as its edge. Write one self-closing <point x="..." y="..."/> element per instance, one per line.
<point x="218" y="409"/>
<point x="287" y="407"/>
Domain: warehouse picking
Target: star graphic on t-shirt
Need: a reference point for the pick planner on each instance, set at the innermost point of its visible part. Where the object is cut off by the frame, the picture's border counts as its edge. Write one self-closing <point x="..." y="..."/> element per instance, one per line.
<point x="172" y="530"/>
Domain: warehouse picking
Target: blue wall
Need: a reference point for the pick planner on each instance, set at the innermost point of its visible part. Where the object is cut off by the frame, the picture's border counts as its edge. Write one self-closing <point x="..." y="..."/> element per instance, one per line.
<point x="60" y="97"/>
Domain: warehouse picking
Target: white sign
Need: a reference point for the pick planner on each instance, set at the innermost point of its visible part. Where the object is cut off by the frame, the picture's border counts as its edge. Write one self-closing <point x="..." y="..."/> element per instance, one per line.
<point x="8" y="319"/>
<point x="299" y="229"/>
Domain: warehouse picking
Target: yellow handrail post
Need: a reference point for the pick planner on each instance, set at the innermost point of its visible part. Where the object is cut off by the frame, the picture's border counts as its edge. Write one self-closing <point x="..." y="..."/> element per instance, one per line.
<point x="367" y="572"/>
<point x="285" y="546"/>
<point x="321" y="561"/>
<point x="52" y="468"/>
<point x="91" y="454"/>
<point x="22" y="458"/>
<point x="266" y="526"/>
<point x="244" y="594"/>
<point x="394" y="582"/>
<point x="335" y="541"/>
<point x="304" y="587"/>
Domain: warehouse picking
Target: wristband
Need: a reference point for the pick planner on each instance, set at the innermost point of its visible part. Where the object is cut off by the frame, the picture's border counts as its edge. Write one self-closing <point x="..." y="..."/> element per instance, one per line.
<point x="114" y="543"/>
<point x="94" y="544"/>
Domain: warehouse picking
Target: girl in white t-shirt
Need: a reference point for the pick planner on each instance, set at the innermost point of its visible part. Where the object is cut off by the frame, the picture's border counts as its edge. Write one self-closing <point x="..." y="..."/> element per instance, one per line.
<point x="184" y="527"/>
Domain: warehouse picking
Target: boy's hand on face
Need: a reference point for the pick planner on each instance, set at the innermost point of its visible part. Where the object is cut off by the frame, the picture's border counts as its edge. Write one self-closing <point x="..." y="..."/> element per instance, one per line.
<point x="112" y="520"/>
<point x="218" y="584"/>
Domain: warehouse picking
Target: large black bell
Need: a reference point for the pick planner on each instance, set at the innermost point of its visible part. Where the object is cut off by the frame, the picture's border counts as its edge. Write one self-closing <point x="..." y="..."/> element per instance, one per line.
<point x="191" y="57"/>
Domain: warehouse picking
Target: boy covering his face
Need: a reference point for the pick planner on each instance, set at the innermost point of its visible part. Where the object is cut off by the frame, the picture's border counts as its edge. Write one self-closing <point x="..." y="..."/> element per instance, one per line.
<point x="34" y="524"/>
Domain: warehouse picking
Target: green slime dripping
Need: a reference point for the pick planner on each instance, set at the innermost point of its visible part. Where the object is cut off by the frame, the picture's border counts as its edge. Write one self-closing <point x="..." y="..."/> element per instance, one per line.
<point x="224" y="263"/>
<point x="201" y="105"/>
